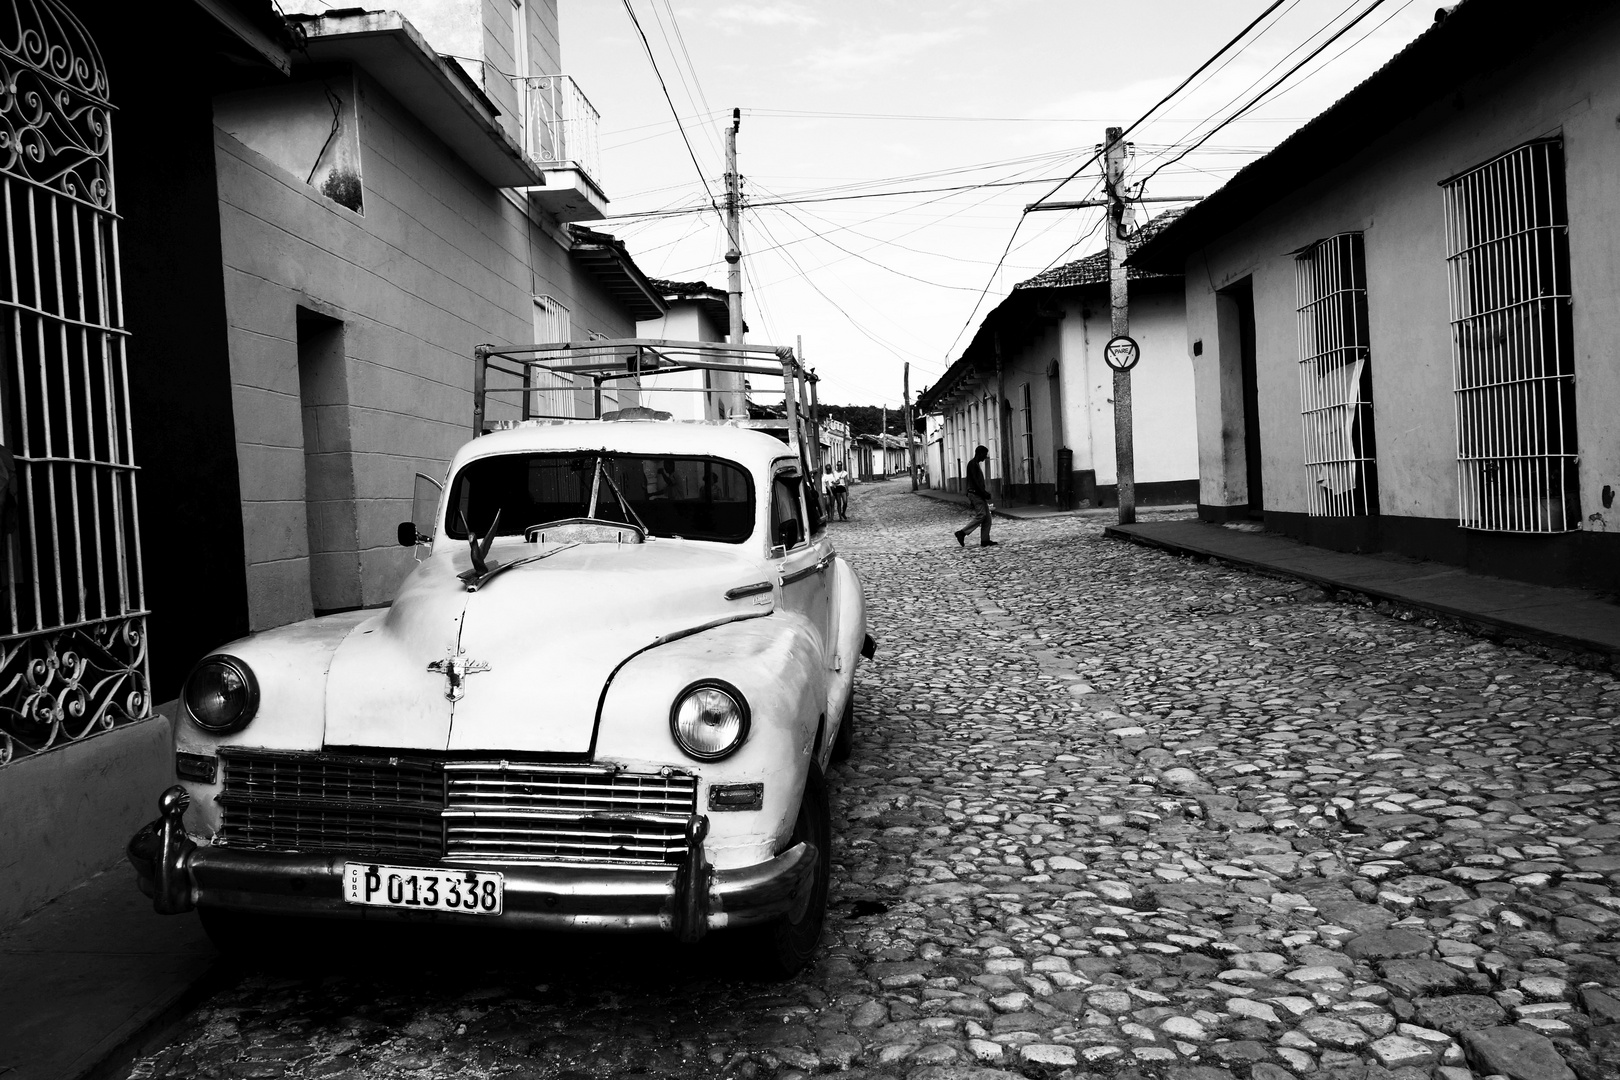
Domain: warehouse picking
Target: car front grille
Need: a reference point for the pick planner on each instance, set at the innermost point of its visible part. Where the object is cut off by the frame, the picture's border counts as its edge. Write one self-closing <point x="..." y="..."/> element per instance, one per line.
<point x="511" y="812"/>
<point x="388" y="807"/>
<point x="426" y="809"/>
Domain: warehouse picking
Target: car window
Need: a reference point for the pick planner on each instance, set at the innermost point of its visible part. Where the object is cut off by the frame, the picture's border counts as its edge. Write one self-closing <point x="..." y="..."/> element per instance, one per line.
<point x="785" y="507"/>
<point x="812" y="501"/>
<point x="698" y="498"/>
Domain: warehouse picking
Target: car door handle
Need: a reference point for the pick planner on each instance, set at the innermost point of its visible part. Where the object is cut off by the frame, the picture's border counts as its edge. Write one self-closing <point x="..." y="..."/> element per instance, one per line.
<point x="814" y="568"/>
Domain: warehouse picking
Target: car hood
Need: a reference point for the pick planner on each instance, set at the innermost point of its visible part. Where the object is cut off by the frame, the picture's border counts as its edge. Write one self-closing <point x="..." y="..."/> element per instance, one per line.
<point x="535" y="644"/>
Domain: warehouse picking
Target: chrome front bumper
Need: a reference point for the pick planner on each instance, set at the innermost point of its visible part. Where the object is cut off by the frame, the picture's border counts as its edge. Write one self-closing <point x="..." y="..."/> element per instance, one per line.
<point x="687" y="900"/>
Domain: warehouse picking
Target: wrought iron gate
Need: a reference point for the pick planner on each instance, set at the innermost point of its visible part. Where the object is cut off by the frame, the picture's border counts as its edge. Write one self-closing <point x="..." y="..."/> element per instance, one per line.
<point x="72" y="618"/>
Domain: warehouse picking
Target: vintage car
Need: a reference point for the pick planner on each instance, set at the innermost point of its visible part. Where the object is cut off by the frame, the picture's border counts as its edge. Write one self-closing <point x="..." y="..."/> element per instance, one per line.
<point x="605" y="699"/>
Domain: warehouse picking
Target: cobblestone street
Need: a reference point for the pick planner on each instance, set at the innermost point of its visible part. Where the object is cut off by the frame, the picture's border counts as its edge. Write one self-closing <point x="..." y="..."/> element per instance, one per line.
<point x="1109" y="812"/>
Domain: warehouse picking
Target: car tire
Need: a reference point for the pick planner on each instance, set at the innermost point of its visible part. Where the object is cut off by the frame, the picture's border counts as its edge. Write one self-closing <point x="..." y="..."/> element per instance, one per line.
<point x="268" y="942"/>
<point x="844" y="742"/>
<point x="241" y="935"/>
<point x="788" y="944"/>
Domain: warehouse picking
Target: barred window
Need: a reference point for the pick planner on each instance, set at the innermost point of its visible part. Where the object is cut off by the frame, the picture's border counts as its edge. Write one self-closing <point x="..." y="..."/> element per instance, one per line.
<point x="1507" y="248"/>
<point x="556" y="397"/>
<point x="1335" y="378"/>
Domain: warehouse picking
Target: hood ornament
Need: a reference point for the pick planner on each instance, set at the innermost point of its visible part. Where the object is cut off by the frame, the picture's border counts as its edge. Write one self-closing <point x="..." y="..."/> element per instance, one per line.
<point x="456" y="669"/>
<point x="479" y="553"/>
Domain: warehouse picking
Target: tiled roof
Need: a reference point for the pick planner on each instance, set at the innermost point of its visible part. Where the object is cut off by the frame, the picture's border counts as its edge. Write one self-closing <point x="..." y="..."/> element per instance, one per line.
<point x="714" y="302"/>
<point x="1018" y="305"/>
<point x="1467" y="46"/>
<point x="1093" y="269"/>
<point x="685" y="289"/>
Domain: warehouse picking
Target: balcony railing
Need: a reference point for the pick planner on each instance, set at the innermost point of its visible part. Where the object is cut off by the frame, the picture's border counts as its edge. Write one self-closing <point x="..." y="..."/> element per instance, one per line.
<point x="560" y="125"/>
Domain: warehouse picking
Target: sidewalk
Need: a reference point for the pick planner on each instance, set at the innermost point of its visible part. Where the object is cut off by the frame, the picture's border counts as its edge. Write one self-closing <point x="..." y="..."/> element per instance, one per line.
<point x="1561" y="617"/>
<point x="1036" y="513"/>
<point x="89" y="981"/>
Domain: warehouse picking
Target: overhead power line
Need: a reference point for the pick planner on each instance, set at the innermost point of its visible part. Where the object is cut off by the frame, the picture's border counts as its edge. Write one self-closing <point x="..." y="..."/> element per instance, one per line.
<point x="676" y="113"/>
<point x="1252" y="102"/>
<point x="760" y="204"/>
<point x="812" y="114"/>
<point x="1161" y="102"/>
<point x="1096" y="155"/>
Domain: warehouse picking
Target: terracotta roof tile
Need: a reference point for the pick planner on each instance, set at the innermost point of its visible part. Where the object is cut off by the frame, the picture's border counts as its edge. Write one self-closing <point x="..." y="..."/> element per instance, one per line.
<point x="1093" y="269"/>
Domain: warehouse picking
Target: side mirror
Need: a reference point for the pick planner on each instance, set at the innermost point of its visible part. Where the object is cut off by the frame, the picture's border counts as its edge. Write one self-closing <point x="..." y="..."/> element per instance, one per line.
<point x="788" y="534"/>
<point x="408" y="536"/>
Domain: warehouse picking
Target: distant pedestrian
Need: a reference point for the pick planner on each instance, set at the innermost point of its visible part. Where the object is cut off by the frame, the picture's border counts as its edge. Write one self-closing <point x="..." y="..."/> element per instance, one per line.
<point x="978" y="500"/>
<point x="838" y="484"/>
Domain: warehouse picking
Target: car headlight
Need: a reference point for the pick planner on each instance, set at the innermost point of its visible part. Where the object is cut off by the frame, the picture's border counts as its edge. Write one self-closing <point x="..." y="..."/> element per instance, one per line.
<point x="221" y="694"/>
<point x="709" y="720"/>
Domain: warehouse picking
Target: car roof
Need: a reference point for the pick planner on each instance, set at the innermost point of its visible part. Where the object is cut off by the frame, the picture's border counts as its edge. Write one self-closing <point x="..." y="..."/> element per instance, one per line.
<point x="754" y="450"/>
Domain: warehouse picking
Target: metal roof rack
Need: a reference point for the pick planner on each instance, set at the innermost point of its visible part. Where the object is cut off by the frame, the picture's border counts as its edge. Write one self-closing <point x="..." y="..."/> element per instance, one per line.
<point x="613" y="359"/>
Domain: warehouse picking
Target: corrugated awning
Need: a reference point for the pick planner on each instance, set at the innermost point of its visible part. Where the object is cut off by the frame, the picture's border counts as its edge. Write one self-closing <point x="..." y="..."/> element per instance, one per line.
<point x="609" y="262"/>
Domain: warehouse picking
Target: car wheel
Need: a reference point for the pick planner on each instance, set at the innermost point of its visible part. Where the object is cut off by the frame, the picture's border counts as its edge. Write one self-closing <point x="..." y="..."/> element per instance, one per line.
<point x="790" y="942"/>
<point x="263" y="941"/>
<point x="239" y="934"/>
<point x="844" y="742"/>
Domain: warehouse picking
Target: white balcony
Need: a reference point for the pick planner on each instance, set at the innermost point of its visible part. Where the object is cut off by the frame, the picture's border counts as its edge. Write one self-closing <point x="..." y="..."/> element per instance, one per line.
<point x="559" y="136"/>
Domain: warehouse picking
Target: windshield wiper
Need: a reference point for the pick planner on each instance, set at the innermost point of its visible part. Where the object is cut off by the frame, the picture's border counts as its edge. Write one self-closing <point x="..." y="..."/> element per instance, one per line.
<point x="624" y="504"/>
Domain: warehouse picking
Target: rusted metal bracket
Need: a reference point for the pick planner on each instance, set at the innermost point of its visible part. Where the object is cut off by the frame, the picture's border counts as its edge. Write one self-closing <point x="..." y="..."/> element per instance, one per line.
<point x="159" y="853"/>
<point x="692" y="885"/>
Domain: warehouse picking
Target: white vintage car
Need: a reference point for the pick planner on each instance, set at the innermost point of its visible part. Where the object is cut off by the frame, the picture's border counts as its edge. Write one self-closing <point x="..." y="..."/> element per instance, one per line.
<point x="605" y="699"/>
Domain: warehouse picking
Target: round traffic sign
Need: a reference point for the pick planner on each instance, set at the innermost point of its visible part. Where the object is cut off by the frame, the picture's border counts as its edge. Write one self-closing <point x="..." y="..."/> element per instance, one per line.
<point x="1122" y="352"/>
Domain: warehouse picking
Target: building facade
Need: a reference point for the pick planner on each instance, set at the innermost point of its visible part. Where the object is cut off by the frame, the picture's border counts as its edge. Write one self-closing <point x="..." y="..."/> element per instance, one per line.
<point x="1402" y="318"/>
<point x="879" y="457"/>
<point x="380" y="217"/>
<point x="696" y="312"/>
<point x="837" y="445"/>
<point x="312" y="223"/>
<point x="1033" y="387"/>
<point x="113" y="393"/>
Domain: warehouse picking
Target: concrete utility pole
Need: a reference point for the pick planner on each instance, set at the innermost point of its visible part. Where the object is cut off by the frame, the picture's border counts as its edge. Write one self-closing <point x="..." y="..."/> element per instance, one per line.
<point x="911" y="430"/>
<point x="1120" y="323"/>
<point x="739" y="400"/>
<point x="883" y="443"/>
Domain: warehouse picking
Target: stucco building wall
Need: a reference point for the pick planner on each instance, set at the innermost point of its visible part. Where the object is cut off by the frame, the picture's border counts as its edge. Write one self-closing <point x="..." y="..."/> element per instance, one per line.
<point x="437" y="263"/>
<point x="685" y="321"/>
<point x="1391" y="192"/>
<point x="1163" y="409"/>
<point x="1051" y="341"/>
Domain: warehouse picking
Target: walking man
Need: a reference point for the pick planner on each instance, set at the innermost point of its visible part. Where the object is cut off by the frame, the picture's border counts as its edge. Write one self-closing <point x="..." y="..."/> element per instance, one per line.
<point x="838" y="484"/>
<point x="978" y="500"/>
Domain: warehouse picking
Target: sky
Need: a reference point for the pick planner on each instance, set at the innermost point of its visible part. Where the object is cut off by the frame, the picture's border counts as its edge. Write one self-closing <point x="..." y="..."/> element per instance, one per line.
<point x="915" y="107"/>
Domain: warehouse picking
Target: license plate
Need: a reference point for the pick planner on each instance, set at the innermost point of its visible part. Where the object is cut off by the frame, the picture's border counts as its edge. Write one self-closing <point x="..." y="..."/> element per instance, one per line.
<point x="470" y="892"/>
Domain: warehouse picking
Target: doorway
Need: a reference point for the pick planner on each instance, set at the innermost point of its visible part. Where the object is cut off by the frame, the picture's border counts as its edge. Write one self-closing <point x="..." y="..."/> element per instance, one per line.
<point x="1238" y="307"/>
<point x="329" y="494"/>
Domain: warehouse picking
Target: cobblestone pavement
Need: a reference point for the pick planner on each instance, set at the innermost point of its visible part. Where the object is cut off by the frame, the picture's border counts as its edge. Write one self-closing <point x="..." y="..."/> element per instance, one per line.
<point x="1109" y="813"/>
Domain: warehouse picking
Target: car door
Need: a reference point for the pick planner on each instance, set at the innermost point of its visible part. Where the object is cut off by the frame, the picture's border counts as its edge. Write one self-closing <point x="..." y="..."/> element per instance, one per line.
<point x="804" y="561"/>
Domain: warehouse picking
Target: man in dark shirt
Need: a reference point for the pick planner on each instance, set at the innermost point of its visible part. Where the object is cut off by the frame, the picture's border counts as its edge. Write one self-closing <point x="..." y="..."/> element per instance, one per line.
<point x="978" y="500"/>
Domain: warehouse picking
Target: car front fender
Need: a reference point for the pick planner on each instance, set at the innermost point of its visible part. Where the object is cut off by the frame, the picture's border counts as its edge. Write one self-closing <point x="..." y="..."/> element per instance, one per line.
<point x="290" y="664"/>
<point x="773" y="662"/>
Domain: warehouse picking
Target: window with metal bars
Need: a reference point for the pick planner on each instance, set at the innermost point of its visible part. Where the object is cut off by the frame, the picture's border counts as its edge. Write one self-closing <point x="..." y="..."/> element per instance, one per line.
<point x="556" y="397"/>
<point x="1513" y="364"/>
<point x="1335" y="378"/>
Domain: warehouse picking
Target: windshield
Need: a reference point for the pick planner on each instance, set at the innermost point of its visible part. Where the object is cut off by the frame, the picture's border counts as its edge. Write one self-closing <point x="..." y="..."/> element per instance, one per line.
<point x="695" y="498"/>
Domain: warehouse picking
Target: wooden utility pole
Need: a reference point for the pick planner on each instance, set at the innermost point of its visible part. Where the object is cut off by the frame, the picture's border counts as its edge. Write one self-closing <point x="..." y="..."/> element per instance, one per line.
<point x="811" y="381"/>
<point x="1120" y="322"/>
<point x="911" y="430"/>
<point x="739" y="399"/>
